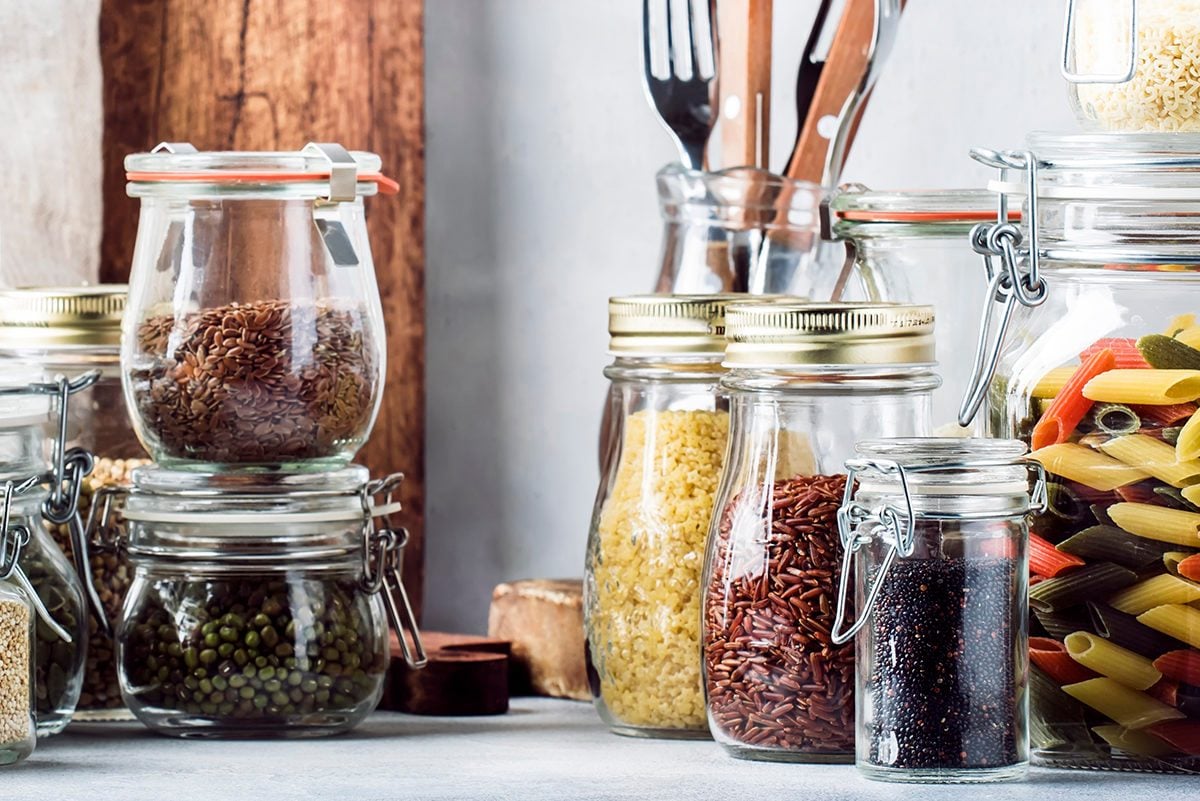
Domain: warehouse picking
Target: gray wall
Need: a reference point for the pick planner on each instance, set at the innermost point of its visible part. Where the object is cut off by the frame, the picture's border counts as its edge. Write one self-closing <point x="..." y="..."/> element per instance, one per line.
<point x="541" y="157"/>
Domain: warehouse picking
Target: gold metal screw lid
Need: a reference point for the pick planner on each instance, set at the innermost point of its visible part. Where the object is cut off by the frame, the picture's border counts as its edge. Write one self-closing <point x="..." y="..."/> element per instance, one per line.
<point x="784" y="333"/>
<point x="668" y="324"/>
<point x="58" y="316"/>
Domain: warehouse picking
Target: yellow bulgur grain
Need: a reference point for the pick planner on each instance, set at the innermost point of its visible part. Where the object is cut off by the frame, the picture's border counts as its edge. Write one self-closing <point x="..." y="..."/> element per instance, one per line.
<point x="647" y="559"/>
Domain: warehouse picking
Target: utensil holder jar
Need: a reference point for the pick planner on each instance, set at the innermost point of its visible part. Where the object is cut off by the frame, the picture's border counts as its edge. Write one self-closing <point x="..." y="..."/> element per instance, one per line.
<point x="934" y="533"/>
<point x="806" y="382"/>
<point x="254" y="335"/>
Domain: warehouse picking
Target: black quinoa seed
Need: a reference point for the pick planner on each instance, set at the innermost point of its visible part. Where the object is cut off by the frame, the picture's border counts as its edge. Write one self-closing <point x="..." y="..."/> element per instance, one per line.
<point x="942" y="689"/>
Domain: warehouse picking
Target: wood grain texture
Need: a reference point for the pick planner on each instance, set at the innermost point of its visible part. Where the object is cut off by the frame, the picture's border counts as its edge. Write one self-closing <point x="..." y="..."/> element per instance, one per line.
<point x="273" y="75"/>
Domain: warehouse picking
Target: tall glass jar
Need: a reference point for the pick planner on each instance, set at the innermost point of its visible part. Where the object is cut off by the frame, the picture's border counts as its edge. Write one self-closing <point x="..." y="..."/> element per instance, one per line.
<point x="260" y="607"/>
<point x="645" y="548"/>
<point x="915" y="246"/>
<point x="1100" y="373"/>
<point x="806" y="382"/>
<point x="70" y="331"/>
<point x="743" y="230"/>
<point x="254" y="334"/>
<point x="1131" y="64"/>
<point x="938" y="529"/>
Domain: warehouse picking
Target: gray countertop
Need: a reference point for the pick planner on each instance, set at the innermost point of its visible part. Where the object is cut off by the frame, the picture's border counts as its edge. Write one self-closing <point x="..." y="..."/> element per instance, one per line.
<point x="542" y="749"/>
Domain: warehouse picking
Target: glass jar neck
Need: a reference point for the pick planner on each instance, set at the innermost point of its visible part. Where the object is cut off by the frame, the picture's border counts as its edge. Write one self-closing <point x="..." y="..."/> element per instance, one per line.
<point x="675" y="368"/>
<point x="835" y="380"/>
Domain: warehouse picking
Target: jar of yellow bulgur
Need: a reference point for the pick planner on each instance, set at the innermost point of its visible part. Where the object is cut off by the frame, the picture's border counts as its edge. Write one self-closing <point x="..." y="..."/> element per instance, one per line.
<point x="666" y="435"/>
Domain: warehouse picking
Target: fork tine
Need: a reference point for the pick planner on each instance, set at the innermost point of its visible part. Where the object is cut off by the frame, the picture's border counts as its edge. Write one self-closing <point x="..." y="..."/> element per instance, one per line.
<point x="702" y="61"/>
<point x="647" y="52"/>
<point x="670" y="42"/>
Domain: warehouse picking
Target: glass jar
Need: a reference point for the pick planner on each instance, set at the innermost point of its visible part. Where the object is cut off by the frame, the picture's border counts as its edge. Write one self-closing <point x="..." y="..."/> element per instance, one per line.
<point x="915" y="246"/>
<point x="259" y="607"/>
<point x="743" y="230"/>
<point x="18" y="733"/>
<point x="667" y="427"/>
<point x="939" y="529"/>
<point x="69" y="331"/>
<point x="1132" y="65"/>
<point x="1099" y="373"/>
<point x="254" y="334"/>
<point x="806" y="382"/>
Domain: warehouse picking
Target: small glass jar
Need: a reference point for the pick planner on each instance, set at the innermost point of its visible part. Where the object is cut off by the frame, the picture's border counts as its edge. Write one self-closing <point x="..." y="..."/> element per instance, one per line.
<point x="646" y="544"/>
<point x="1132" y="65"/>
<point x="915" y="246"/>
<point x="18" y="731"/>
<point x="69" y="331"/>
<point x="939" y="531"/>
<point x="1098" y="373"/>
<point x="260" y="607"/>
<point x="805" y="382"/>
<point x="254" y="334"/>
<point x="743" y="230"/>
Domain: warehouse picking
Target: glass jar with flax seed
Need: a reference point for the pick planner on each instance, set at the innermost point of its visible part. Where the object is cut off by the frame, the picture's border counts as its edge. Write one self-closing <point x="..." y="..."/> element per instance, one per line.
<point x="70" y="331"/>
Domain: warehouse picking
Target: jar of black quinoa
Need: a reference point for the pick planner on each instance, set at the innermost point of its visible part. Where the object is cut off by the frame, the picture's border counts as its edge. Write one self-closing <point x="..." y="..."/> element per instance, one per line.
<point x="939" y="529"/>
<point x="260" y="606"/>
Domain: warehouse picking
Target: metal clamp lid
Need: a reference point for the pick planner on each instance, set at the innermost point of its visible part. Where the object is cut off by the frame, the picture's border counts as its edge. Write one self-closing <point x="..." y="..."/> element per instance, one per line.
<point x="383" y="555"/>
<point x="858" y="524"/>
<point x="1068" y="49"/>
<point x="1007" y="284"/>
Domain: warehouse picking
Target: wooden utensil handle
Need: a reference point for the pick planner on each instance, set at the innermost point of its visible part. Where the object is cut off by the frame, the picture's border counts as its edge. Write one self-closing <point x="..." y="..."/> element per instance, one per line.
<point x="744" y="28"/>
<point x="845" y="69"/>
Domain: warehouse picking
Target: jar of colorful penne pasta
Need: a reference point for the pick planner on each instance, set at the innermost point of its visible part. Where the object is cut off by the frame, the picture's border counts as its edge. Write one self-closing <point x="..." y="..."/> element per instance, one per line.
<point x="1099" y="288"/>
<point x="935" y="532"/>
<point x="805" y="383"/>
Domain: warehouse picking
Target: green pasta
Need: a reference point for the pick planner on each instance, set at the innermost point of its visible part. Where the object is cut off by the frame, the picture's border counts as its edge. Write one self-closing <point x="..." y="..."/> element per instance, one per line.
<point x="1165" y="353"/>
<point x="1059" y="624"/>
<point x="1101" y="514"/>
<point x="1111" y="544"/>
<point x="1061" y="720"/>
<point x="1065" y="502"/>
<point x="1098" y="580"/>
<point x="1116" y="419"/>
<point x="1127" y="632"/>
<point x="1170" y="434"/>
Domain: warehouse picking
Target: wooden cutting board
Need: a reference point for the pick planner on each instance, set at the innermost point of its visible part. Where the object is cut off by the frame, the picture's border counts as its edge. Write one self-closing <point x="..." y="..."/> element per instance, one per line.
<point x="466" y="675"/>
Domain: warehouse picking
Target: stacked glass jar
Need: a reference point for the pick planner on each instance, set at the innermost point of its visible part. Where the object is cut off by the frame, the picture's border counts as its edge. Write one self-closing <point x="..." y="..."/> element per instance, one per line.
<point x="1100" y="373"/>
<point x="253" y="363"/>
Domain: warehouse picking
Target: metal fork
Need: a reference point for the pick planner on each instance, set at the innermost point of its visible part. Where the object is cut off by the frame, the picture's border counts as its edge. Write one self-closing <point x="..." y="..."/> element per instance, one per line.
<point x="683" y="95"/>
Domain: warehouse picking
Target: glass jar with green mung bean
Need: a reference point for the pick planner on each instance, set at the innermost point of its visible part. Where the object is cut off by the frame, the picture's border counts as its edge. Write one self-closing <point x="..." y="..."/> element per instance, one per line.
<point x="260" y="603"/>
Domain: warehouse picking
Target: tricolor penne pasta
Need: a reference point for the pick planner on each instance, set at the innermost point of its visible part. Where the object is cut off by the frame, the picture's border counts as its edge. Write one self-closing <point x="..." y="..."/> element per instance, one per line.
<point x="1179" y="621"/>
<point x="1154" y="457"/>
<point x="1126" y="707"/>
<point x="1152" y="387"/>
<point x="1155" y="591"/>
<point x="1157" y="522"/>
<point x="1086" y="466"/>
<point x="1119" y="664"/>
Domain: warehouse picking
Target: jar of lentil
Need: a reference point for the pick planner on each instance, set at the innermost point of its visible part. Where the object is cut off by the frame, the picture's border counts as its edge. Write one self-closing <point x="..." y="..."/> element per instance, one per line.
<point x="69" y="331"/>
<point x="938" y="530"/>
<point x="666" y="442"/>
<point x="260" y="606"/>
<point x="805" y="383"/>
<point x="254" y="335"/>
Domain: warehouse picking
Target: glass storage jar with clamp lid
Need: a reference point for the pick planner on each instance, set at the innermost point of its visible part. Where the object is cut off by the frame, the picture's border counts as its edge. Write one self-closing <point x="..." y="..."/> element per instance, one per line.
<point x="260" y="605"/>
<point x="254" y="333"/>
<point x="934" y="533"/>
<point x="1100" y="373"/>
<point x="805" y="382"/>
<point x="70" y="330"/>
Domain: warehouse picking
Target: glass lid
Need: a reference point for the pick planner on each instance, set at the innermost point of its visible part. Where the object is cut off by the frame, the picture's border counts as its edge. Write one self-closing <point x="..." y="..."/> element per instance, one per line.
<point x="946" y="466"/>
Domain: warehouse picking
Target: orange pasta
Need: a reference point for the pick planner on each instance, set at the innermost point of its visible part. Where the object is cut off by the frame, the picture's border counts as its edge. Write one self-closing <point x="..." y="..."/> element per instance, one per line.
<point x="1182" y="666"/>
<point x="1052" y="657"/>
<point x="1165" y="690"/>
<point x="1069" y="406"/>
<point x="1190" y="568"/>
<point x="1182" y="734"/>
<point x="1125" y="352"/>
<point x="1046" y="560"/>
